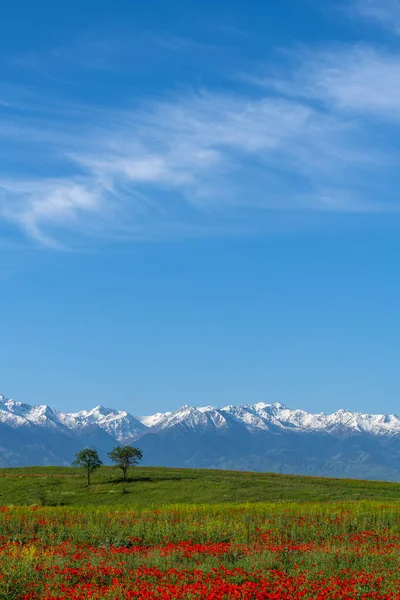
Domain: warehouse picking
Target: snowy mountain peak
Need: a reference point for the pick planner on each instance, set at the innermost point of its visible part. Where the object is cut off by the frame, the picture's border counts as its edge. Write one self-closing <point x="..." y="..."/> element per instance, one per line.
<point x="153" y="420"/>
<point x="13" y="406"/>
<point x="101" y="410"/>
<point x="260" y="416"/>
<point x="186" y="408"/>
<point x="263" y="405"/>
<point x="263" y="416"/>
<point x="189" y="417"/>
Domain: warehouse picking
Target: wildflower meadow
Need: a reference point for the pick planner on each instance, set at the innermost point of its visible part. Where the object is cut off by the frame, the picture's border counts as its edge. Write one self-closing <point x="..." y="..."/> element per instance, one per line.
<point x="277" y="551"/>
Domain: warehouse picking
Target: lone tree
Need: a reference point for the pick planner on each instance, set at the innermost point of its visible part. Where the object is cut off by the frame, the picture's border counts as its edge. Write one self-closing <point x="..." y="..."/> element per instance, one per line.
<point x="125" y="457"/>
<point x="89" y="460"/>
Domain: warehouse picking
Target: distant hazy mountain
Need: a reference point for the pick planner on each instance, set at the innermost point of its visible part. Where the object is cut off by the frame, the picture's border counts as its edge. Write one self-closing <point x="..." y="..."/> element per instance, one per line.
<point x="259" y="437"/>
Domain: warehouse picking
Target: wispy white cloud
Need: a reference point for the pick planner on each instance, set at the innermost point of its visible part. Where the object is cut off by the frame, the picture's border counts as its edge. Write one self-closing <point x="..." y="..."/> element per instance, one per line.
<point x="308" y="142"/>
<point x="37" y="203"/>
<point x="357" y="78"/>
<point x="384" y="12"/>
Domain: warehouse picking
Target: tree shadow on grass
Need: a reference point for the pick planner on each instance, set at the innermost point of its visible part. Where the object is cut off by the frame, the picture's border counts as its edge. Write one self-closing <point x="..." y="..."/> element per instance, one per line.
<point x="146" y="479"/>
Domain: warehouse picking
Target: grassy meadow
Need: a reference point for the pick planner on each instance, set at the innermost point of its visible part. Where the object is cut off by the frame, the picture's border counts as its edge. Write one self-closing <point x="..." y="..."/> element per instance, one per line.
<point x="154" y="486"/>
<point x="195" y="534"/>
<point x="254" y="551"/>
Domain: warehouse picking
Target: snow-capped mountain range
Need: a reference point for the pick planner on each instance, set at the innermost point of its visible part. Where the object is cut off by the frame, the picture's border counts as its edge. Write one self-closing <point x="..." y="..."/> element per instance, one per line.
<point x="123" y="426"/>
<point x="249" y="436"/>
<point x="262" y="416"/>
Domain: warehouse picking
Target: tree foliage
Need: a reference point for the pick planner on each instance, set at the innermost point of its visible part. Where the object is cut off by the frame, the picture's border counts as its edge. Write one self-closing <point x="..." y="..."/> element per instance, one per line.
<point x="87" y="459"/>
<point x="125" y="457"/>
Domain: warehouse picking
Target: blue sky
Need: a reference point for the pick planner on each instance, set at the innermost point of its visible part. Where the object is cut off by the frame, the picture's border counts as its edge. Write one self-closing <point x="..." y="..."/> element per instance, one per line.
<point x="199" y="203"/>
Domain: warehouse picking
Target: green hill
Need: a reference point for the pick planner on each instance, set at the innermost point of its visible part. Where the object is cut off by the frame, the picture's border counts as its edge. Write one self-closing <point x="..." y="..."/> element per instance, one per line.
<point x="151" y="486"/>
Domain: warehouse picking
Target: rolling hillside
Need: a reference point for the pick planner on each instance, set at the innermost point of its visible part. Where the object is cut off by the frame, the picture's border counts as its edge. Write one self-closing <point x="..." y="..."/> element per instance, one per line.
<point x="159" y="486"/>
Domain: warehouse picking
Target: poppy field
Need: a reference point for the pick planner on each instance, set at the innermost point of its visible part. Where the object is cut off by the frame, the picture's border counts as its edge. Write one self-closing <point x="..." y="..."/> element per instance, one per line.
<point x="281" y="550"/>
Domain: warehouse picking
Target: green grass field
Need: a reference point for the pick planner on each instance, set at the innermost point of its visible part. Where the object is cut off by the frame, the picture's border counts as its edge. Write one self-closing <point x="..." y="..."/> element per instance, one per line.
<point x="174" y="534"/>
<point x="154" y="486"/>
<point x="253" y="551"/>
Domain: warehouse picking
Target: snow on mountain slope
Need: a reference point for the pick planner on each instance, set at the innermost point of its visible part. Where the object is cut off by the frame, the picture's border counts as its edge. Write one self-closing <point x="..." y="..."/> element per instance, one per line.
<point x="248" y="415"/>
<point x="254" y="417"/>
<point x="17" y="414"/>
<point x="191" y="418"/>
<point x="262" y="416"/>
<point x="17" y="408"/>
<point x="153" y="420"/>
<point x="120" y="424"/>
<point x="11" y="419"/>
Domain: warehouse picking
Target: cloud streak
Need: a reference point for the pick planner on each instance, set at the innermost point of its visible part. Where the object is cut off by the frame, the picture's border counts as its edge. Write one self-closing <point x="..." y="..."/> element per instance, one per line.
<point x="207" y="162"/>
<point x="356" y="78"/>
<point x="383" y="12"/>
